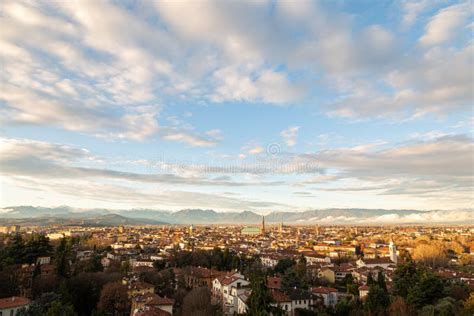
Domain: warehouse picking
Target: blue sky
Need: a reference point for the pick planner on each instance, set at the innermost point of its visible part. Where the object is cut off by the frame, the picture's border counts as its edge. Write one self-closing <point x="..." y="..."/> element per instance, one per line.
<point x="237" y="105"/>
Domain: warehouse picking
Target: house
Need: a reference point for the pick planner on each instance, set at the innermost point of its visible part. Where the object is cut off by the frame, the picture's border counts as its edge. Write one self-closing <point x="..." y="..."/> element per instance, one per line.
<point x="361" y="275"/>
<point x="151" y="311"/>
<point x="226" y="289"/>
<point x="140" y="288"/>
<point x="282" y="300"/>
<point x="270" y="260"/>
<point x="43" y="260"/>
<point x="384" y="262"/>
<point x="152" y="302"/>
<point x="314" y="257"/>
<point x="142" y="263"/>
<point x="196" y="276"/>
<point x="342" y="270"/>
<point x="232" y="303"/>
<point x="9" y="306"/>
<point x="327" y="294"/>
<point x="300" y="299"/>
<point x="242" y="302"/>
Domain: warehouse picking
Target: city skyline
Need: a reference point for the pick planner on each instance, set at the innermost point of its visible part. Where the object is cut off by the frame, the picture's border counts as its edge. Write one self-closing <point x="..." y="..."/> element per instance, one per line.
<point x="232" y="106"/>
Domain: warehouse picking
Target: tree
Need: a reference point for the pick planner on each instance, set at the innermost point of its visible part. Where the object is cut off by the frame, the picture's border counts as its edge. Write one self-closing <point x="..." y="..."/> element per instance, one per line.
<point x="62" y="258"/>
<point x="343" y="307"/>
<point x="9" y="285"/>
<point x="59" y="309"/>
<point x="432" y="254"/>
<point x="370" y="279"/>
<point x="44" y="284"/>
<point x="260" y="299"/>
<point x="159" y="264"/>
<point x="198" y="302"/>
<point x="427" y="291"/>
<point x="114" y="299"/>
<point x="36" y="246"/>
<point x="164" y="281"/>
<point x="41" y="305"/>
<point x="14" y="251"/>
<point x="381" y="281"/>
<point x="446" y="307"/>
<point x="468" y="306"/>
<point x="377" y="300"/>
<point x="283" y="265"/>
<point x="86" y="289"/>
<point x="399" y="307"/>
<point x="94" y="264"/>
<point x="457" y="290"/>
<point x="292" y="279"/>
<point x="405" y="276"/>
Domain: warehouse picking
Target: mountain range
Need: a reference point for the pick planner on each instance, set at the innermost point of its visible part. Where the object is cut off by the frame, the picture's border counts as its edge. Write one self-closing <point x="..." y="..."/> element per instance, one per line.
<point x="59" y="215"/>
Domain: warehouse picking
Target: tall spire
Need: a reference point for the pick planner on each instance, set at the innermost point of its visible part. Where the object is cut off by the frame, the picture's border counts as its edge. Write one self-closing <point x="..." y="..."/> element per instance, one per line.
<point x="393" y="251"/>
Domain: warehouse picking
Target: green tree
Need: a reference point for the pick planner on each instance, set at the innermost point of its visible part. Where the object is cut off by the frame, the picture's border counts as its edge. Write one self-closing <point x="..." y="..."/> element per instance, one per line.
<point x="41" y="305"/>
<point x="260" y="299"/>
<point x="159" y="264"/>
<point x="94" y="264"/>
<point x="37" y="246"/>
<point x="14" y="251"/>
<point x="381" y="281"/>
<point x="370" y="279"/>
<point x="426" y="291"/>
<point x="343" y="307"/>
<point x="62" y="258"/>
<point x="283" y="265"/>
<point x="446" y="307"/>
<point x="405" y="276"/>
<point x="377" y="300"/>
<point x="59" y="309"/>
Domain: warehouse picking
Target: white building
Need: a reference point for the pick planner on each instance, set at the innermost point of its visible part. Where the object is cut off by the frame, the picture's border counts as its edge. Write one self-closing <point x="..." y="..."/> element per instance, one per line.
<point x="312" y="258"/>
<point x="327" y="294"/>
<point x="9" y="306"/>
<point x="269" y="261"/>
<point x="227" y="288"/>
<point x="384" y="262"/>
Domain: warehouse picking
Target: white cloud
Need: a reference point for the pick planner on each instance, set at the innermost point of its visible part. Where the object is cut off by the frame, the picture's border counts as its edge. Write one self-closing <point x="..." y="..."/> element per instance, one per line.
<point x="442" y="26"/>
<point x="411" y="10"/>
<point x="256" y="150"/>
<point x="207" y="51"/>
<point x="439" y="81"/>
<point x="289" y="135"/>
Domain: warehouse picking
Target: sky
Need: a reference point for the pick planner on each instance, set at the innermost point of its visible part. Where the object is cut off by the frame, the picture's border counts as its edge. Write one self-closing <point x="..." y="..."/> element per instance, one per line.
<point x="237" y="105"/>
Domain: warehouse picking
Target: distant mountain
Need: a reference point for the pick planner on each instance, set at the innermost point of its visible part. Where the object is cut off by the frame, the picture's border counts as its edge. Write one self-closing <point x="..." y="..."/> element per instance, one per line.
<point x="61" y="211"/>
<point x="102" y="220"/>
<point x="205" y="216"/>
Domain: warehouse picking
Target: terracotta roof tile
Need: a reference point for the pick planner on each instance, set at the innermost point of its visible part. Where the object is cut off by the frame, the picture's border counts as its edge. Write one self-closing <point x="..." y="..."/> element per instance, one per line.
<point x="14" y="301"/>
